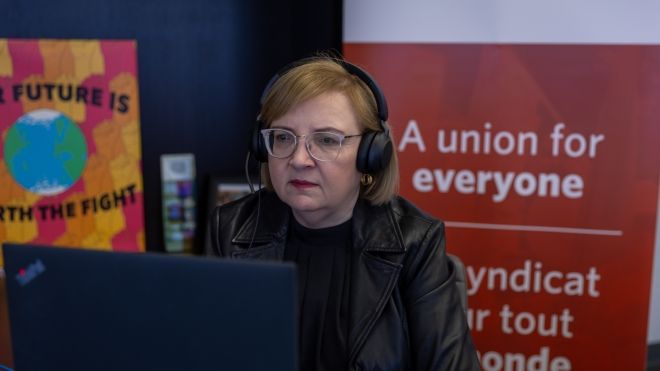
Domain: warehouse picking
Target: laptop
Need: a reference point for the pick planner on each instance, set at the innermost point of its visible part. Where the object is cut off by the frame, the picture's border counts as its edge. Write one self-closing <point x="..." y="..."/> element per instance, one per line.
<point x="74" y="309"/>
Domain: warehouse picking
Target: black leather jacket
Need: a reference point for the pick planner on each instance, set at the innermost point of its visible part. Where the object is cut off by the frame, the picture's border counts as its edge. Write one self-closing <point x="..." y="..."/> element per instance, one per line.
<point x="405" y="308"/>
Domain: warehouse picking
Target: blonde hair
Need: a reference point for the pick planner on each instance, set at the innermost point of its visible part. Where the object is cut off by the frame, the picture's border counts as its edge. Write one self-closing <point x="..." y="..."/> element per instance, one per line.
<point x="322" y="75"/>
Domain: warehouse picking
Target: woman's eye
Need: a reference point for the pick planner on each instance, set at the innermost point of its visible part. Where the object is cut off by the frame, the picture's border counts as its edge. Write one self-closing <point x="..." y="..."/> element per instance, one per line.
<point x="282" y="138"/>
<point x="328" y="140"/>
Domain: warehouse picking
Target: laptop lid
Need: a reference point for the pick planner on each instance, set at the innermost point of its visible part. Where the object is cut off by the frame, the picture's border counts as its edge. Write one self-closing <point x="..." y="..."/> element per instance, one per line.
<point x="74" y="309"/>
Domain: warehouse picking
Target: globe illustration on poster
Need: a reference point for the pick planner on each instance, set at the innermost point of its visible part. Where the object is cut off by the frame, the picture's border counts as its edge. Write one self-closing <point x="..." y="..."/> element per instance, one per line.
<point x="45" y="152"/>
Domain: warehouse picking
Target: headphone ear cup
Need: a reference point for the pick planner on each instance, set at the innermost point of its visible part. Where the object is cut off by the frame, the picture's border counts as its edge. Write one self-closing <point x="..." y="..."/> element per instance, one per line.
<point x="374" y="153"/>
<point x="362" y="160"/>
<point x="257" y="145"/>
<point x="382" y="152"/>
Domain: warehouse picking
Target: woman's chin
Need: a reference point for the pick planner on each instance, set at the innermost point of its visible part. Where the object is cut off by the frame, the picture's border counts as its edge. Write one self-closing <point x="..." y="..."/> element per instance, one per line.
<point x="302" y="203"/>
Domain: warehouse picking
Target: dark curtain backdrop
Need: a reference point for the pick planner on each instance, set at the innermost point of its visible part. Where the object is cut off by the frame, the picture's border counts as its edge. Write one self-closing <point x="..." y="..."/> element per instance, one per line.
<point x="202" y="66"/>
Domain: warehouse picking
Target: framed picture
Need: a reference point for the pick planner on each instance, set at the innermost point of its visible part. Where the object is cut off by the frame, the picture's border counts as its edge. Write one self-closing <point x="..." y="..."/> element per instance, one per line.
<point x="223" y="190"/>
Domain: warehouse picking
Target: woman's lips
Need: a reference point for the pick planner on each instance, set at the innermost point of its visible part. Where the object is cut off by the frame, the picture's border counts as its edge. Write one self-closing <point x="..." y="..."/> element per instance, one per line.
<point x="302" y="184"/>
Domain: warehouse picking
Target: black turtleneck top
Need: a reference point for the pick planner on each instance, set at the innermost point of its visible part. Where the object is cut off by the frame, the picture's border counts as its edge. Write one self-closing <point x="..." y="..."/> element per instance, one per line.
<point x="322" y="256"/>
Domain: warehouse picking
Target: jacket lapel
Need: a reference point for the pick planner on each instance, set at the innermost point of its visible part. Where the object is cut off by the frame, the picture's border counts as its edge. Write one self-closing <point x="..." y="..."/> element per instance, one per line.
<point x="375" y="269"/>
<point x="263" y="234"/>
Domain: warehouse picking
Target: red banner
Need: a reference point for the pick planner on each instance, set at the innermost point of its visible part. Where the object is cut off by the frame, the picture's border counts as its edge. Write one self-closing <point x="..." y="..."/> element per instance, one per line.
<point x="543" y="161"/>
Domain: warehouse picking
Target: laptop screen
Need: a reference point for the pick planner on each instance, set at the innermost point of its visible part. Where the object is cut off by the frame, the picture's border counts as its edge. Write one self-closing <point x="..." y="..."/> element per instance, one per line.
<point x="77" y="309"/>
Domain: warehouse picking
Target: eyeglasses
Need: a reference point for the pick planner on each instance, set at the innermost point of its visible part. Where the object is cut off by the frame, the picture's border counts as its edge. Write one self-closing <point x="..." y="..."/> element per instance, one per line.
<point x="321" y="145"/>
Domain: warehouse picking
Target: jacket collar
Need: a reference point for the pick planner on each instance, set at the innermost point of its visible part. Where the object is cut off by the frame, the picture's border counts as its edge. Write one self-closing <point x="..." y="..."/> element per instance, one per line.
<point x="374" y="227"/>
<point x="270" y="218"/>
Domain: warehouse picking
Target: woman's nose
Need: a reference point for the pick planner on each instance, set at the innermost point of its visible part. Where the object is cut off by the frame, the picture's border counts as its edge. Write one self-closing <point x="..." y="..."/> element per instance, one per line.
<point x="301" y="155"/>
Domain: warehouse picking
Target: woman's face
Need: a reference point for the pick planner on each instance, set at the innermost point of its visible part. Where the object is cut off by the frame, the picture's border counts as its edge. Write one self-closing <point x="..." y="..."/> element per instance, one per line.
<point x="320" y="193"/>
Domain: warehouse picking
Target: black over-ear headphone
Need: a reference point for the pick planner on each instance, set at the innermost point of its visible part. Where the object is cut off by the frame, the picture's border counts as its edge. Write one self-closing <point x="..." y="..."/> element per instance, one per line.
<point x="375" y="149"/>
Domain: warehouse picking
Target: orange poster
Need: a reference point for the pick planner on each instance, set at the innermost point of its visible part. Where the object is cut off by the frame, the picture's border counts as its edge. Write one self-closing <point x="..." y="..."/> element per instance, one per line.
<point x="70" y="169"/>
<point x="543" y="161"/>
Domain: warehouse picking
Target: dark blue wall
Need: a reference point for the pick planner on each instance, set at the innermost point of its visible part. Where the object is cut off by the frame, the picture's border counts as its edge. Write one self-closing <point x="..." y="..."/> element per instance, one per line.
<point x="202" y="65"/>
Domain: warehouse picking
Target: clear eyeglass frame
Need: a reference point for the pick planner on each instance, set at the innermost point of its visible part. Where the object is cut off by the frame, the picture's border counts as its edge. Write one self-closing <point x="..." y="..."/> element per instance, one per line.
<point x="324" y="145"/>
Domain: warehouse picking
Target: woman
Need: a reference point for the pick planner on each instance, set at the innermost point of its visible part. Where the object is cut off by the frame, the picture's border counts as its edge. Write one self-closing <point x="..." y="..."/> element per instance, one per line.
<point x="376" y="289"/>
